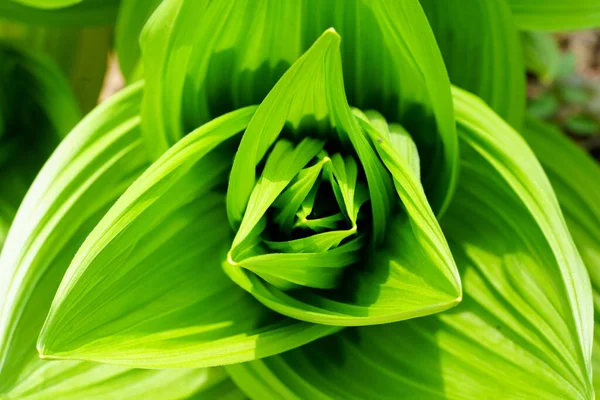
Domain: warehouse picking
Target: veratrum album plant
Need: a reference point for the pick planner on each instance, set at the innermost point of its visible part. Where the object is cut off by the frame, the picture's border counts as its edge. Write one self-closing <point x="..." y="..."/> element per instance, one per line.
<point x="299" y="199"/>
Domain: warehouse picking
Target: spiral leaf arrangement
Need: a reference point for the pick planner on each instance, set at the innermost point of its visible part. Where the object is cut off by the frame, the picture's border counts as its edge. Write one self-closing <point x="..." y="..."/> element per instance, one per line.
<point x="289" y="200"/>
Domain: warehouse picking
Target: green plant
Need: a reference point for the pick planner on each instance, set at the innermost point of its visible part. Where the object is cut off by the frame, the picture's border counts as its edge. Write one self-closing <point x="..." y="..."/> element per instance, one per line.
<point x="291" y="200"/>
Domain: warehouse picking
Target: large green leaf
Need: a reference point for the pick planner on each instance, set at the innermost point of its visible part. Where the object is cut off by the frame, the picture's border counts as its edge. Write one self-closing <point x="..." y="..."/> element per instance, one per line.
<point x="202" y="59"/>
<point x="555" y="15"/>
<point x="89" y="170"/>
<point x="147" y="289"/>
<point x="481" y="50"/>
<point x="79" y="12"/>
<point x="523" y="329"/>
<point x="575" y="177"/>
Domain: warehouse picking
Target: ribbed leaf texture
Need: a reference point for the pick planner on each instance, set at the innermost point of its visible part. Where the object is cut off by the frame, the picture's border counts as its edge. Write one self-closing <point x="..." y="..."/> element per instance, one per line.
<point x="513" y="335"/>
<point x="579" y="199"/>
<point x="290" y="200"/>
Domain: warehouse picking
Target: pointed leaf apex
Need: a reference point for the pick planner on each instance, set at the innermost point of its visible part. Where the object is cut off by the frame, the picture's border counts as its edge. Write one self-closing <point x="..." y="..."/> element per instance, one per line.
<point x="332" y="33"/>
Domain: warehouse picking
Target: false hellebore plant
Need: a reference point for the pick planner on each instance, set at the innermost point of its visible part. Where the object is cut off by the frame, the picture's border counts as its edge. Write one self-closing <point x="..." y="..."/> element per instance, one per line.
<point x="295" y="203"/>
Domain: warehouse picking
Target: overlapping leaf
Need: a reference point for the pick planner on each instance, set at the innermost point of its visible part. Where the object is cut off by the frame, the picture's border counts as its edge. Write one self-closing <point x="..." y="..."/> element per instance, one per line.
<point x="523" y="329"/>
<point x="481" y="50"/>
<point x="575" y="178"/>
<point x="555" y="15"/>
<point x="224" y="55"/>
<point x="51" y="225"/>
<point x="82" y="179"/>
<point x="408" y="272"/>
<point x="147" y="288"/>
<point x="91" y="168"/>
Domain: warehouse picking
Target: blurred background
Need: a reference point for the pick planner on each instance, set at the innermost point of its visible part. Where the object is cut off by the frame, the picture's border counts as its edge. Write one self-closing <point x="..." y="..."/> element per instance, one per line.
<point x="563" y="83"/>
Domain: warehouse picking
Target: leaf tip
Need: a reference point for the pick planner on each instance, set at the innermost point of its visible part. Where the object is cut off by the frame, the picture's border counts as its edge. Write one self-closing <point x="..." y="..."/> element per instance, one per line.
<point x="332" y="34"/>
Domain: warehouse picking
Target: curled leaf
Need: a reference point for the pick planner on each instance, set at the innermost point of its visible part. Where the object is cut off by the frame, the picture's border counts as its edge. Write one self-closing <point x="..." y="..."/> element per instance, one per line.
<point x="371" y="277"/>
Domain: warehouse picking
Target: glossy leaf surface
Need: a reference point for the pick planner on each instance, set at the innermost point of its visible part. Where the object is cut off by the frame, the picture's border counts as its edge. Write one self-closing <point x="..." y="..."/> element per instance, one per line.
<point x="521" y="330"/>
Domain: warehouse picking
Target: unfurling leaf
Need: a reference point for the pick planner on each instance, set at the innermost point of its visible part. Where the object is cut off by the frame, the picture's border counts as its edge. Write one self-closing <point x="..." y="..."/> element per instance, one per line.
<point x="147" y="287"/>
<point x="373" y="287"/>
<point x="163" y="300"/>
<point x="292" y="194"/>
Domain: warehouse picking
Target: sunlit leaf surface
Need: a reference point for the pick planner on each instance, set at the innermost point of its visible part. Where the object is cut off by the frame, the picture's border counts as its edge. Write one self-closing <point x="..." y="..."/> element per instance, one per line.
<point x="579" y="199"/>
<point x="89" y="170"/>
<point x="520" y="331"/>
